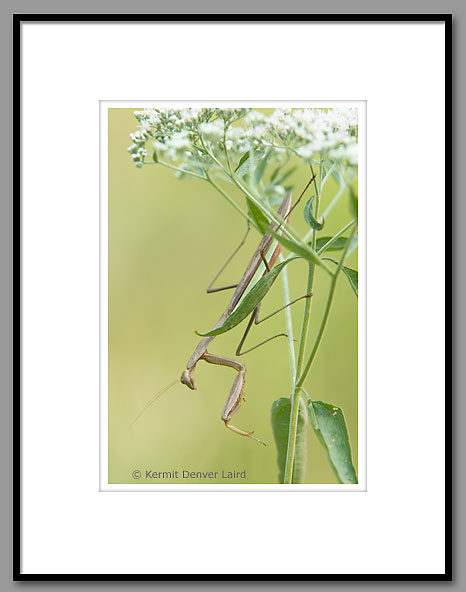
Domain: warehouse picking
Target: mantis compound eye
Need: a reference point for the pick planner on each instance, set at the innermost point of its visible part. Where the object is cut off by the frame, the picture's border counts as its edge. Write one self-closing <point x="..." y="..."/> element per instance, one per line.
<point x="188" y="380"/>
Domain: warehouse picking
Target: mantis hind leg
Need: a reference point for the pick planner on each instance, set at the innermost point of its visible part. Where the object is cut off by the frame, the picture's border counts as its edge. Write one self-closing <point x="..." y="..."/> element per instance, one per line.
<point x="254" y="319"/>
<point x="209" y="288"/>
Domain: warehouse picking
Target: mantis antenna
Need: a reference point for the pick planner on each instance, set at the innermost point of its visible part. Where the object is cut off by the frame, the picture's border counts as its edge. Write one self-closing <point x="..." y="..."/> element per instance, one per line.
<point x="153" y="400"/>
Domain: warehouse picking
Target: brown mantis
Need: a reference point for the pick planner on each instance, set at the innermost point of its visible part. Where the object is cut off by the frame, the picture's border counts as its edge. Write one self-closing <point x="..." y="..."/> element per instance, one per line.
<point x="235" y="397"/>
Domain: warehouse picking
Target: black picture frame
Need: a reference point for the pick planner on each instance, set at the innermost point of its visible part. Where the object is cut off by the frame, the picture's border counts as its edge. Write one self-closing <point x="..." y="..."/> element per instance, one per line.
<point x="18" y="20"/>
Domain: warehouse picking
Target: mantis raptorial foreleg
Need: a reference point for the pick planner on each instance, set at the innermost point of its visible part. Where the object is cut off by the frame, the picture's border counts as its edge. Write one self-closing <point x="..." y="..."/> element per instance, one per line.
<point x="235" y="398"/>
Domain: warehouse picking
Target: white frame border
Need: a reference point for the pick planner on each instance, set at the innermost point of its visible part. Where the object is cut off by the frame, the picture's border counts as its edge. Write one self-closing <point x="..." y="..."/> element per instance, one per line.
<point x="362" y="353"/>
<point x="398" y="526"/>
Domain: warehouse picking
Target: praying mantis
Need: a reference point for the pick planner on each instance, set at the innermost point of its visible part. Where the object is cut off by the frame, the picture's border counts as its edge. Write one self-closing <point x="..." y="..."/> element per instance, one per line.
<point x="241" y="293"/>
<point x="235" y="397"/>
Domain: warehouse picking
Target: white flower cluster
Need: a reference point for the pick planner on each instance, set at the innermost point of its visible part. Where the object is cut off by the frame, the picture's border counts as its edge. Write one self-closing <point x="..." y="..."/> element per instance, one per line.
<point x="189" y="135"/>
<point x="309" y="133"/>
<point x="175" y="132"/>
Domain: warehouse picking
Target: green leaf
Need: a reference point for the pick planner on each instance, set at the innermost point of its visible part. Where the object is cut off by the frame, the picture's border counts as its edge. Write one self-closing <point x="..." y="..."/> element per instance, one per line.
<point x="250" y="301"/>
<point x="304" y="251"/>
<point x="243" y="168"/>
<point x="154" y="157"/>
<point x="274" y="174"/>
<point x="256" y="214"/>
<point x="333" y="435"/>
<point x="260" y="168"/>
<point x="338" y="245"/>
<point x="309" y="216"/>
<point x="242" y="160"/>
<point x="281" y="413"/>
<point x="246" y="162"/>
<point x="351" y="274"/>
<point x="275" y="180"/>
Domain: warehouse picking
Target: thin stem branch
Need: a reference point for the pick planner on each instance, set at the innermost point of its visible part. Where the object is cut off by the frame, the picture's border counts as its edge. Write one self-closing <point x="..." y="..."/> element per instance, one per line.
<point x="334" y="201"/>
<point x="175" y="168"/>
<point x="225" y="147"/>
<point x="328" y="306"/>
<point x="289" y="324"/>
<point x="327" y="175"/>
<point x="306" y="320"/>
<point x="334" y="238"/>
<point x="231" y="201"/>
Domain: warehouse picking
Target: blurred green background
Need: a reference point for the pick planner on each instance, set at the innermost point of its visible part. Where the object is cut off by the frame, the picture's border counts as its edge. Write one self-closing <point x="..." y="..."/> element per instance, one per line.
<point x="167" y="239"/>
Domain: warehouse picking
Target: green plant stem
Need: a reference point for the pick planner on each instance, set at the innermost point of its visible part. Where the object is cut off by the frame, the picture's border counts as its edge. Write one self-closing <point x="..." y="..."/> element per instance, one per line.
<point x="271" y="215"/>
<point x="231" y="201"/>
<point x="334" y="201"/>
<point x="175" y="168"/>
<point x="327" y="176"/>
<point x="225" y="147"/>
<point x="292" y="433"/>
<point x="211" y="182"/>
<point x="306" y="320"/>
<point x="267" y="211"/>
<point x="284" y="147"/>
<point x="312" y="413"/>
<point x="334" y="238"/>
<point x="328" y="307"/>
<point x="293" y="429"/>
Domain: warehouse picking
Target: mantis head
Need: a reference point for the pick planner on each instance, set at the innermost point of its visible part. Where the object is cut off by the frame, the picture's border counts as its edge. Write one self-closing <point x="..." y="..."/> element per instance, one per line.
<point x="188" y="380"/>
